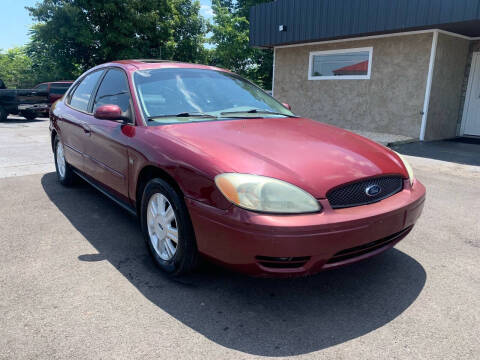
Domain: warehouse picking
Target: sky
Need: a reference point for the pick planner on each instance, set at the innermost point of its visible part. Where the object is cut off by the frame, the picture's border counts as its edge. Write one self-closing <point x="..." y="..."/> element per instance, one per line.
<point x="16" y="20"/>
<point x="15" y="23"/>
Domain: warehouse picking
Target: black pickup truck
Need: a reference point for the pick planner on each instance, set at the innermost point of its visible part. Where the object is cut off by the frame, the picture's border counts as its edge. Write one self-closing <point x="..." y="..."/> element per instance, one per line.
<point x="26" y="102"/>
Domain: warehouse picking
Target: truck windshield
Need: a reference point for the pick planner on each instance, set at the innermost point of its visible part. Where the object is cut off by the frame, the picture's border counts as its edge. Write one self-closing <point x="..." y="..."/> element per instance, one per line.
<point x="178" y="95"/>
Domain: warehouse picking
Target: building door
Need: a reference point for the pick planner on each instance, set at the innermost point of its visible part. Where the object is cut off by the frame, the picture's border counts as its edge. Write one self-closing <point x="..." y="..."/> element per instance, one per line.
<point x="471" y="111"/>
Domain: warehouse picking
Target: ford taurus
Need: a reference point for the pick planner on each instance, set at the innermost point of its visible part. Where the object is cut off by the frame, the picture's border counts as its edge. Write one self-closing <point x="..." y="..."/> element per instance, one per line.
<point x="215" y="167"/>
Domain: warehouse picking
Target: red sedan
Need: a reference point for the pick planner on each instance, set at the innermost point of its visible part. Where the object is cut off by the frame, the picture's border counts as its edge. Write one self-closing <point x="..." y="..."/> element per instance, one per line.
<point x="215" y="167"/>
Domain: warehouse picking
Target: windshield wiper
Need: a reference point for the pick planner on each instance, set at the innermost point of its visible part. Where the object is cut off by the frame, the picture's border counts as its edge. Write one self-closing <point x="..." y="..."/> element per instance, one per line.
<point x="183" y="114"/>
<point x="255" y="111"/>
<point x="116" y="94"/>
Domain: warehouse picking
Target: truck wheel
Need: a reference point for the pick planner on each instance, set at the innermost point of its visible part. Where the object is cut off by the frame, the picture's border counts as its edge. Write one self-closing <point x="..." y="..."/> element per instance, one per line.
<point x="29" y="115"/>
<point x="3" y="114"/>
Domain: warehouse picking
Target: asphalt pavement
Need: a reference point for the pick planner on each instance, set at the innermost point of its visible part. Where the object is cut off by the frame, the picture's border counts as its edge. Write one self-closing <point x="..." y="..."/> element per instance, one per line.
<point x="77" y="282"/>
<point x="24" y="147"/>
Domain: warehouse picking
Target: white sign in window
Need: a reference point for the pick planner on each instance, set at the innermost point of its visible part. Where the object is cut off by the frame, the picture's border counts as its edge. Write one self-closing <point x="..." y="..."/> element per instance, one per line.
<point x="346" y="64"/>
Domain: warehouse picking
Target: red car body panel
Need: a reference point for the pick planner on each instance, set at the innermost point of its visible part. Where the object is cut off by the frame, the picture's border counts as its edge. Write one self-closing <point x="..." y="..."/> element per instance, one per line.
<point x="311" y="155"/>
<point x="235" y="237"/>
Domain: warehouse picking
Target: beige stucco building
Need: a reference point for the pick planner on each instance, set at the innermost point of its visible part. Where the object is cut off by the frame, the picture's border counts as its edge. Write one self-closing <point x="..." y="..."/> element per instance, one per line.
<point x="423" y="84"/>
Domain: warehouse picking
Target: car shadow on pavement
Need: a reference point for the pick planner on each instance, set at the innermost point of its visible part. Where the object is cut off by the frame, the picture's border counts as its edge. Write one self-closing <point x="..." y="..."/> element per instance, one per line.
<point x="268" y="317"/>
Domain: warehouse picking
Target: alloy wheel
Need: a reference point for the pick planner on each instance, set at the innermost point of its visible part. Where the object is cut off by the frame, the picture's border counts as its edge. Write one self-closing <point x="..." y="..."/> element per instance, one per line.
<point x="60" y="160"/>
<point x="162" y="226"/>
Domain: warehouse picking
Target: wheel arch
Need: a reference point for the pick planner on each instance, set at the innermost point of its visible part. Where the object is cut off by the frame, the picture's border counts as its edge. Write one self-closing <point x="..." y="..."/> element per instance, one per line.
<point x="53" y="135"/>
<point x="148" y="173"/>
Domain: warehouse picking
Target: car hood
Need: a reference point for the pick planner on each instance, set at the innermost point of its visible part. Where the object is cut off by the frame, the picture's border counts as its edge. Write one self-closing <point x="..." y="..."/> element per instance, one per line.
<point x="309" y="154"/>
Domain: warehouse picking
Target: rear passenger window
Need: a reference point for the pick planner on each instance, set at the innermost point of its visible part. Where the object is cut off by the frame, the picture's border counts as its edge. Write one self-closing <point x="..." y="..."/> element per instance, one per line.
<point x="42" y="88"/>
<point x="113" y="90"/>
<point x="82" y="94"/>
<point x="59" y="89"/>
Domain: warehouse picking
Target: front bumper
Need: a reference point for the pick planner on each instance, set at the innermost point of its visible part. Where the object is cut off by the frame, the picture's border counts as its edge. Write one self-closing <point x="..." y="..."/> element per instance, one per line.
<point x="294" y="245"/>
<point x="34" y="107"/>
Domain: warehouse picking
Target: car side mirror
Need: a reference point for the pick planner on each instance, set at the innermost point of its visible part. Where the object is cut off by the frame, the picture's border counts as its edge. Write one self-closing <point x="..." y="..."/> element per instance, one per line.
<point x="287" y="106"/>
<point x="109" y="112"/>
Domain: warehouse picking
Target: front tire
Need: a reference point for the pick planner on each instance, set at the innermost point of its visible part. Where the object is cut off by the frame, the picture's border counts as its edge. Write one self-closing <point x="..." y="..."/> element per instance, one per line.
<point x="65" y="174"/>
<point x="3" y="114"/>
<point x="167" y="228"/>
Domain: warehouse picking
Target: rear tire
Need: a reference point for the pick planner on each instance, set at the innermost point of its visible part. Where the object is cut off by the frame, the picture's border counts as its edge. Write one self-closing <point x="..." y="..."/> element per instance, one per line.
<point x="29" y="115"/>
<point x="3" y="114"/>
<point x="65" y="174"/>
<point x="162" y="226"/>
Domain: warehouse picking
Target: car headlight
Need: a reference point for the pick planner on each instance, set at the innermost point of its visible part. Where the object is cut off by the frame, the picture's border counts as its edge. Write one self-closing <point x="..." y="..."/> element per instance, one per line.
<point x="260" y="193"/>
<point x="408" y="167"/>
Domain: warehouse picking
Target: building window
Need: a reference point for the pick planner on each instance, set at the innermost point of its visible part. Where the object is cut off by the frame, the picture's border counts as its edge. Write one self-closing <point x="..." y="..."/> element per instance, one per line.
<point x="345" y="64"/>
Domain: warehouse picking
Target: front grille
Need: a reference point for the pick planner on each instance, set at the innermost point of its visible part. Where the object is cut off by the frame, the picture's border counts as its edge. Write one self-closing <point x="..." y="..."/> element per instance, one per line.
<point x="282" y="262"/>
<point x="356" y="194"/>
<point x="366" y="248"/>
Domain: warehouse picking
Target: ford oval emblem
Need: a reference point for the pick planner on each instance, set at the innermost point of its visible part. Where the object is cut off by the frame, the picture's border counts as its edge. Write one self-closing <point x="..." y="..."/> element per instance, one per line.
<point x="373" y="190"/>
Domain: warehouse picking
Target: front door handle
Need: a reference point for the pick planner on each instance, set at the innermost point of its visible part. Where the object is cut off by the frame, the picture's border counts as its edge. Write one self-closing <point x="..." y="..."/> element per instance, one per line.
<point x="86" y="129"/>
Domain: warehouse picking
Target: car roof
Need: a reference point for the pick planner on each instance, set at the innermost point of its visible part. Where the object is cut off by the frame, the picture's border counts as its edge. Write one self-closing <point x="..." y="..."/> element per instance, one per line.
<point x="147" y="64"/>
<point x="56" y="82"/>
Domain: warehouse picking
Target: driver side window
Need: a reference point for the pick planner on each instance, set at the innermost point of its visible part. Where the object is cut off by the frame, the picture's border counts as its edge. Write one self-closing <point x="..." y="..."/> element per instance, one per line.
<point x="42" y="88"/>
<point x="80" y="97"/>
<point x="113" y="90"/>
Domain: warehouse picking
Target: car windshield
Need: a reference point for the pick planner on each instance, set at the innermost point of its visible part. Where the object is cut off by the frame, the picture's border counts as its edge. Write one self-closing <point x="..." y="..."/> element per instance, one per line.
<point x="179" y="95"/>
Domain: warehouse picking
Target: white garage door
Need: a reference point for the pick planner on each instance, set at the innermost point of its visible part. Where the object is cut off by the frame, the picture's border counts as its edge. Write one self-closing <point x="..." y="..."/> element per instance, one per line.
<point x="471" y="117"/>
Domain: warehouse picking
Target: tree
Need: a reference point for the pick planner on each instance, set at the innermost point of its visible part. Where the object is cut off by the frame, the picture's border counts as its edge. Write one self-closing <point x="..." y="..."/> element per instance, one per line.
<point x="73" y="35"/>
<point x="187" y="43"/>
<point x="47" y="64"/>
<point x="230" y="35"/>
<point x="16" y="68"/>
